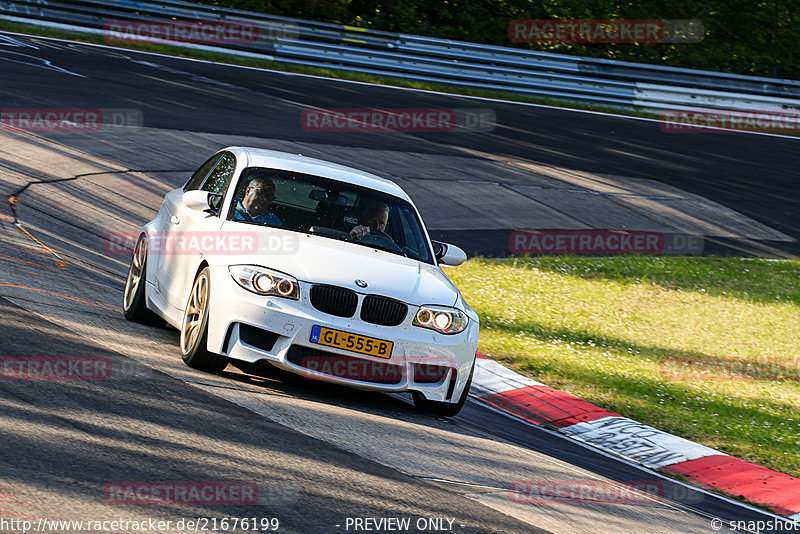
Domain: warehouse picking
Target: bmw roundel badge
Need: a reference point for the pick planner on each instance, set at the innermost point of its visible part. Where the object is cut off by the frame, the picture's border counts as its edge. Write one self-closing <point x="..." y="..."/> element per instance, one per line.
<point x="361" y="283"/>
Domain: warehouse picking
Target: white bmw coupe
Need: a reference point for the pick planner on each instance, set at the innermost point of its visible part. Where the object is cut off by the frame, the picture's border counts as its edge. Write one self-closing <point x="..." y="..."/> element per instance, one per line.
<point x="316" y="268"/>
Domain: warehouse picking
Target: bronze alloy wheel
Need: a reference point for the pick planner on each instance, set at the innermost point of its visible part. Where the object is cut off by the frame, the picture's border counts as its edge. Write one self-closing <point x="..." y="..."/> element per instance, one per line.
<point x="135" y="273"/>
<point x="134" y="305"/>
<point x="194" y="327"/>
<point x="196" y="314"/>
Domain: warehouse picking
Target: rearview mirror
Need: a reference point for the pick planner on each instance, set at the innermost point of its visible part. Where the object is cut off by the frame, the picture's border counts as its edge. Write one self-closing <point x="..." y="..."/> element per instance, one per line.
<point x="448" y="254"/>
<point x="328" y="196"/>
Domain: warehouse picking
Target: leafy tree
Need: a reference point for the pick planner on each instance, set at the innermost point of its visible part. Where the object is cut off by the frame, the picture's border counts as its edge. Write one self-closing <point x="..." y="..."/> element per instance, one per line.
<point x="756" y="37"/>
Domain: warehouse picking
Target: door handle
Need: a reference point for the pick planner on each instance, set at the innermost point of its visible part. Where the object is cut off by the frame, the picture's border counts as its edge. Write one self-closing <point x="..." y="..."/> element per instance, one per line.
<point x="175" y="219"/>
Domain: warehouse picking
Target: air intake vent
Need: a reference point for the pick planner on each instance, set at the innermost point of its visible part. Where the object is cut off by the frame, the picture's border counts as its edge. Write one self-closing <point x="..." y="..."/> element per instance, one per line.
<point x="256" y="337"/>
<point x="334" y="300"/>
<point x="426" y="373"/>
<point x="383" y="310"/>
<point x="347" y="367"/>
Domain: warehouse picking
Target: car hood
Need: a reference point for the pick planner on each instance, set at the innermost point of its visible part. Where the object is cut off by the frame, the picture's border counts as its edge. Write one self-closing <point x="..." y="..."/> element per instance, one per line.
<point x="322" y="260"/>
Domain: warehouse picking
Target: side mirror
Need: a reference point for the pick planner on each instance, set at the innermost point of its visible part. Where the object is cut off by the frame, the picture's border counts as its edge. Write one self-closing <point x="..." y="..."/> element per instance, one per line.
<point x="215" y="202"/>
<point x="202" y="201"/>
<point x="448" y="254"/>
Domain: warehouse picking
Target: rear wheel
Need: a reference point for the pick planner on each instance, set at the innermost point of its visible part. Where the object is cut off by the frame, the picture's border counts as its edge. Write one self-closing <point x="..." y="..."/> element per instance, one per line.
<point x="134" y="305"/>
<point x="446" y="409"/>
<point x="194" y="328"/>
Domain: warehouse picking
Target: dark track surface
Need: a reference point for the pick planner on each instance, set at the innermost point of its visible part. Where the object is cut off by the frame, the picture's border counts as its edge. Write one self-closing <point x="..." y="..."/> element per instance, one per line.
<point x="753" y="174"/>
<point x="105" y="436"/>
<point x="269" y="105"/>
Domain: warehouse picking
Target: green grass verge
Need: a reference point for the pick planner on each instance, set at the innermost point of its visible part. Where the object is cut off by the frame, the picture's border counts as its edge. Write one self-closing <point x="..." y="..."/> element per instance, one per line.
<point x="317" y="71"/>
<point x="614" y="331"/>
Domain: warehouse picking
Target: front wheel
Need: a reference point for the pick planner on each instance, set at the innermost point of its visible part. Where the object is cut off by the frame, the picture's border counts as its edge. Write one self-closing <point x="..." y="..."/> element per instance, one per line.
<point x="446" y="409"/>
<point x="133" y="303"/>
<point x="194" y="328"/>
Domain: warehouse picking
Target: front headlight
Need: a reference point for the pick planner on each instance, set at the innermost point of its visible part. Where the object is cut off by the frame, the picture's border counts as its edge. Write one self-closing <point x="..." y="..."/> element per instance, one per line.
<point x="443" y="320"/>
<point x="265" y="281"/>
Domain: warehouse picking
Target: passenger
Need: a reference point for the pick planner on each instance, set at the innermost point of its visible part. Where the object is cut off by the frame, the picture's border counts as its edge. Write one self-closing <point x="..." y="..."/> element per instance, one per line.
<point x="254" y="206"/>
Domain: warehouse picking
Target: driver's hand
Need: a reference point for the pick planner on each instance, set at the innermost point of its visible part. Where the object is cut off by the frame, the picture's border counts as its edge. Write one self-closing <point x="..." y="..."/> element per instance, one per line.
<point x="359" y="231"/>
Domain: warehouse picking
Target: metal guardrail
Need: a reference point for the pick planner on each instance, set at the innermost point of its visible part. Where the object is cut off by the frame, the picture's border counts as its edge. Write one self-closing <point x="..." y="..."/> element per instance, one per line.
<point x="335" y="46"/>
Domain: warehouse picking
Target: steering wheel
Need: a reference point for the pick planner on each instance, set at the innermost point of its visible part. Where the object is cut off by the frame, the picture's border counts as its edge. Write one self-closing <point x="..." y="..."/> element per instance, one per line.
<point x="376" y="233"/>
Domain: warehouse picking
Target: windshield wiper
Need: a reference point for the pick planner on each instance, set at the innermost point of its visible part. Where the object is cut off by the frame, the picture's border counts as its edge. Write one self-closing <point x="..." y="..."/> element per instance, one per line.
<point x="398" y="250"/>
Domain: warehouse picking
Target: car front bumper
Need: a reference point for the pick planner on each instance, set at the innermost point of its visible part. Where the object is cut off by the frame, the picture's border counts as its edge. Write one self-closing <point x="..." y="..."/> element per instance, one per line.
<point x="249" y="327"/>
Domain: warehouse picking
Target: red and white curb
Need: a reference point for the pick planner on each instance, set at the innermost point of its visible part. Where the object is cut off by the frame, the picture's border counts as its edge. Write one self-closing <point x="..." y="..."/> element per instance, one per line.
<point x="540" y="404"/>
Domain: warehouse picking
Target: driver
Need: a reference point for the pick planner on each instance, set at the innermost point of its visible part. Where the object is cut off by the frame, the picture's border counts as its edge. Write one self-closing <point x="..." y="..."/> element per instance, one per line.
<point x="372" y="218"/>
<point x="254" y="206"/>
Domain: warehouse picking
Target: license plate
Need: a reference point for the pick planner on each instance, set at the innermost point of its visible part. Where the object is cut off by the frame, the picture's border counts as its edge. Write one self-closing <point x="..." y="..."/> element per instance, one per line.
<point x="352" y="342"/>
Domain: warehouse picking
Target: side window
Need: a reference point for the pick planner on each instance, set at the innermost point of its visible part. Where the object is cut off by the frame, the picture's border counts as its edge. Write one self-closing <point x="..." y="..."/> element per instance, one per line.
<point x="220" y="177"/>
<point x="200" y="174"/>
<point x="412" y="238"/>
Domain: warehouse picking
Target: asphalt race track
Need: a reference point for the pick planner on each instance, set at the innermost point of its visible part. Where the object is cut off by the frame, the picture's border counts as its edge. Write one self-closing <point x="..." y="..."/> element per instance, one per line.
<point x="319" y="456"/>
<point x="753" y="175"/>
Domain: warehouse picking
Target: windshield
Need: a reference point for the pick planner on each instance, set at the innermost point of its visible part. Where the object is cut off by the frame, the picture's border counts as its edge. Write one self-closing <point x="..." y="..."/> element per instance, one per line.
<point x="329" y="208"/>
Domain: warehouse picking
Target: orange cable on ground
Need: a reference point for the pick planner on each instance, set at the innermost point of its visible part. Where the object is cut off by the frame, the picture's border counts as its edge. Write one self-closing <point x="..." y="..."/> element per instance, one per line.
<point x="56" y="277"/>
<point x="60" y="262"/>
<point x="85" y="301"/>
<point x="38" y="266"/>
<point x="26" y="250"/>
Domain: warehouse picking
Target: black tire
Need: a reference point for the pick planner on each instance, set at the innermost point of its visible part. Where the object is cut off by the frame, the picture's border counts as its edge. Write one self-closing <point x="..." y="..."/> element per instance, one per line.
<point x="194" y="328"/>
<point x="445" y="409"/>
<point x="134" y="305"/>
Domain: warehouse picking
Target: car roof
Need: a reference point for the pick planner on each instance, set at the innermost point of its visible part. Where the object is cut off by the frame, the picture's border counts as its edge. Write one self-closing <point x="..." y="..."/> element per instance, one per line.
<point x="261" y="157"/>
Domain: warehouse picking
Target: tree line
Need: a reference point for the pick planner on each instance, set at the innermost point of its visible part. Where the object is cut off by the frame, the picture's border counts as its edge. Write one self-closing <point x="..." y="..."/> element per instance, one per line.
<point x="752" y="37"/>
